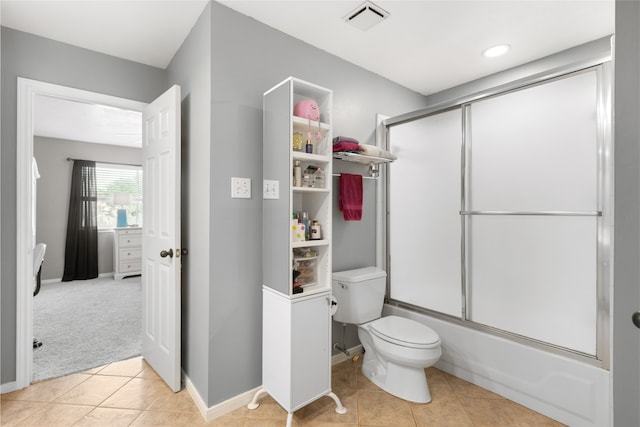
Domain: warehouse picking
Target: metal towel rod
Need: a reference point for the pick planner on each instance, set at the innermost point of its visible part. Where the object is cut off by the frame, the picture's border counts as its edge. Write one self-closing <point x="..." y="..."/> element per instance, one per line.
<point x="363" y="177"/>
<point x="538" y="213"/>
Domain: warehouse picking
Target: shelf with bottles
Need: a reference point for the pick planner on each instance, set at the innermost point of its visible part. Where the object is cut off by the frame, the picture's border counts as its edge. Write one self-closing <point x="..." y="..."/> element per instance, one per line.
<point x="306" y="229"/>
<point x="305" y="141"/>
<point x="310" y="176"/>
<point x="317" y="207"/>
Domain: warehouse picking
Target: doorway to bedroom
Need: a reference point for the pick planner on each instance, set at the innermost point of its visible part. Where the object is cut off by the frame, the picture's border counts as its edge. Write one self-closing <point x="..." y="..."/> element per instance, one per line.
<point x="82" y="324"/>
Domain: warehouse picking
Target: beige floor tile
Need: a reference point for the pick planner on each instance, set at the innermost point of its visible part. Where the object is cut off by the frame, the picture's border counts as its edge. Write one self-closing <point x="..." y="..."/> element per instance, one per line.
<point x="95" y="370"/>
<point x="364" y="383"/>
<point x="377" y="408"/>
<point x="439" y="387"/>
<point x="227" y="421"/>
<point x="93" y="391"/>
<point x="250" y="422"/>
<point x="269" y="409"/>
<point x="174" y="402"/>
<point x="131" y="393"/>
<point x="14" y="411"/>
<point x="148" y="372"/>
<point x="57" y="415"/>
<point x="168" y="419"/>
<point x="465" y="389"/>
<point x="47" y="391"/>
<point x="344" y="376"/>
<point x="503" y="413"/>
<point x="125" y="368"/>
<point x="111" y="417"/>
<point x="138" y="393"/>
<point x="441" y="412"/>
<point x="323" y="411"/>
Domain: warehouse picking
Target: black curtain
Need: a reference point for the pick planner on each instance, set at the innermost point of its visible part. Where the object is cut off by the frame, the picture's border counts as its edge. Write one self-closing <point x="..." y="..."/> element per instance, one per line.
<point x="81" y="250"/>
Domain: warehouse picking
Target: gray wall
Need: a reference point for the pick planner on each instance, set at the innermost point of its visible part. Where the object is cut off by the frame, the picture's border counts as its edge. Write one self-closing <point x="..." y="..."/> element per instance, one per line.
<point x="626" y="295"/>
<point x="37" y="58"/>
<point x="191" y="69"/>
<point x="52" y="203"/>
<point x="248" y="59"/>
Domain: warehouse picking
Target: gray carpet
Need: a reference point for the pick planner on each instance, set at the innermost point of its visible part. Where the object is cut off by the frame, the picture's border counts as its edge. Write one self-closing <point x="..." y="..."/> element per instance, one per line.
<point x="84" y="324"/>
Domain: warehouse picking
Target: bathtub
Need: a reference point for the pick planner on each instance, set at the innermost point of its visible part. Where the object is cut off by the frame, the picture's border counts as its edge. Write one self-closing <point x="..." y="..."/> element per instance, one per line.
<point x="567" y="390"/>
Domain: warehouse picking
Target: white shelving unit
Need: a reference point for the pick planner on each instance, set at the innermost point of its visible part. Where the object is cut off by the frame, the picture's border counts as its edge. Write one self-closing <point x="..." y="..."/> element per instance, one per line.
<point x="296" y="335"/>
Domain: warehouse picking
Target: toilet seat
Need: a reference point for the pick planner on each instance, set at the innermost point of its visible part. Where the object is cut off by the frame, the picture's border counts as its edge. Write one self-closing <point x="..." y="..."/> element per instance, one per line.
<point x="404" y="332"/>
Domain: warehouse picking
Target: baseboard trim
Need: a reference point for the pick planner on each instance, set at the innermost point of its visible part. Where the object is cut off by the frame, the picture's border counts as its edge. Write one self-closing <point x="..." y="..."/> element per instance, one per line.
<point x="8" y="387"/>
<point x="221" y="408"/>
<point x="242" y="399"/>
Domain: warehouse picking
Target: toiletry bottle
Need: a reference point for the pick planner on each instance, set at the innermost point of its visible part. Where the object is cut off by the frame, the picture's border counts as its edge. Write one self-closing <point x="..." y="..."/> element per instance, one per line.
<point x="297" y="141"/>
<point x="318" y="178"/>
<point x="297" y="174"/>
<point x="307" y="228"/>
<point x="316" y="231"/>
<point x="309" y="146"/>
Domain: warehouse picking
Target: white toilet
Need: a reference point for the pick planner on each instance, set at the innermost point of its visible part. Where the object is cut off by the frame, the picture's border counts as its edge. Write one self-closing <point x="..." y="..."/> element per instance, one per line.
<point x="396" y="349"/>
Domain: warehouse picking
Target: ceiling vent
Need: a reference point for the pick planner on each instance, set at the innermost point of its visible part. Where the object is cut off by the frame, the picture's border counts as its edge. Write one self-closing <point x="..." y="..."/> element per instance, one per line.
<point x="366" y="16"/>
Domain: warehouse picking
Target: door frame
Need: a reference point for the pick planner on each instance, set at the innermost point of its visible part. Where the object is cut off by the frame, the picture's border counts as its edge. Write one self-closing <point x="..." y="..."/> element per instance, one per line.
<point x="27" y="90"/>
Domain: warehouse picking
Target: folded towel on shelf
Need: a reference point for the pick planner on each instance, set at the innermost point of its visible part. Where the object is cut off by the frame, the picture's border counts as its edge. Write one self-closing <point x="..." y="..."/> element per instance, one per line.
<point x="339" y="139"/>
<point x="350" y="197"/>
<point x="346" y="146"/>
<point x="372" y="150"/>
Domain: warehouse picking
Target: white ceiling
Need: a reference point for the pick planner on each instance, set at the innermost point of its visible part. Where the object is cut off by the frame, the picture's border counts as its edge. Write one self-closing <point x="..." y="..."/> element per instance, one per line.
<point x="425" y="45"/>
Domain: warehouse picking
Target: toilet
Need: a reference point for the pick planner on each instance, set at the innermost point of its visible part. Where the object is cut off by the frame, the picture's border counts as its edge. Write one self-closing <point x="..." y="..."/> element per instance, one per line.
<point x="397" y="349"/>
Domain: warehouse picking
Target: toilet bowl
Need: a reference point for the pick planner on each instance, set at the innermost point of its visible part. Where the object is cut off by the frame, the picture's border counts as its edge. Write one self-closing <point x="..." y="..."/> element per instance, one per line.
<point x="397" y="349"/>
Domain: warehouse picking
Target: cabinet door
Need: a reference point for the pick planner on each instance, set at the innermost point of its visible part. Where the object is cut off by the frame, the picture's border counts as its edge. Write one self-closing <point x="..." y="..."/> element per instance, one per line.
<point x="311" y="363"/>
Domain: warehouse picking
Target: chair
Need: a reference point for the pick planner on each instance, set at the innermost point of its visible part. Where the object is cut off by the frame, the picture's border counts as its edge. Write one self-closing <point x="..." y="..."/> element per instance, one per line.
<point x="38" y="260"/>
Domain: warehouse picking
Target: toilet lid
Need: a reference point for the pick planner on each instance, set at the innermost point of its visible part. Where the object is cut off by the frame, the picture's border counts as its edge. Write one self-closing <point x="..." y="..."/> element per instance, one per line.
<point x="404" y="332"/>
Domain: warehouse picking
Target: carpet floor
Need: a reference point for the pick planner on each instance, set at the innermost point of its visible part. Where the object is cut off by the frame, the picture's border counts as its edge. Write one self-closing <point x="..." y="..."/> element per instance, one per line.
<point x="84" y="324"/>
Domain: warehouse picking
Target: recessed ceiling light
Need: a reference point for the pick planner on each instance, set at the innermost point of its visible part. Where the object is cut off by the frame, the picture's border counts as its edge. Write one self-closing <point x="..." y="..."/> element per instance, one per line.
<point x="494" y="51"/>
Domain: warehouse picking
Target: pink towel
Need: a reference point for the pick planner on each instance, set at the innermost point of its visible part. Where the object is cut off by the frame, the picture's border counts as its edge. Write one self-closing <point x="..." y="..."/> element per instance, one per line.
<point x="350" y="197"/>
<point x="346" y="146"/>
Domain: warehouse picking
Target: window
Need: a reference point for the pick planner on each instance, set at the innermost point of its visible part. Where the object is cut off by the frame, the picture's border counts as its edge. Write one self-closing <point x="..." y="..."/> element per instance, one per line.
<point x="113" y="179"/>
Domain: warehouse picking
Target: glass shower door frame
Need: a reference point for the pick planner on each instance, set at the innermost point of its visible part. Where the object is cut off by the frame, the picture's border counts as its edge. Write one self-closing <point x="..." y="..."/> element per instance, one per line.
<point x="603" y="213"/>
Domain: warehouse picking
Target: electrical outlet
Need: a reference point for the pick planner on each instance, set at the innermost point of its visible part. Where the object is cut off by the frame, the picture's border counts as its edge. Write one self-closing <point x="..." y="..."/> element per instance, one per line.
<point x="271" y="189"/>
<point x="240" y="188"/>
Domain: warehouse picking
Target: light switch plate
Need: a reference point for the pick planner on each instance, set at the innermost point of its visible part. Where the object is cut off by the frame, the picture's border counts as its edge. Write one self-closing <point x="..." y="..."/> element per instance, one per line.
<point x="240" y="188"/>
<point x="271" y="189"/>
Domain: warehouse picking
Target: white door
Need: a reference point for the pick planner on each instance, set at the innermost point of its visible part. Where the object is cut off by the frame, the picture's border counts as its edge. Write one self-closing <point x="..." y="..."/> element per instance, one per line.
<point x="161" y="236"/>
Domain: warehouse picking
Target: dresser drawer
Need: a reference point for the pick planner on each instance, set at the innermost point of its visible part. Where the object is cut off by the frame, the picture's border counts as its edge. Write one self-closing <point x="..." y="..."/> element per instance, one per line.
<point x="130" y="254"/>
<point x="129" y="241"/>
<point x="126" y="267"/>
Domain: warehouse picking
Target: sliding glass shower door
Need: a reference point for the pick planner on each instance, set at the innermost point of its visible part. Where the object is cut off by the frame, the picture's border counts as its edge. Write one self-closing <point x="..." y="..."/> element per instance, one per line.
<point x="532" y="212"/>
<point x="424" y="227"/>
<point x="498" y="211"/>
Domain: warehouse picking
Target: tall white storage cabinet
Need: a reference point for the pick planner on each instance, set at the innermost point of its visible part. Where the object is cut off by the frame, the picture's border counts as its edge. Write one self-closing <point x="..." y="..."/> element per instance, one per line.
<point x="296" y="325"/>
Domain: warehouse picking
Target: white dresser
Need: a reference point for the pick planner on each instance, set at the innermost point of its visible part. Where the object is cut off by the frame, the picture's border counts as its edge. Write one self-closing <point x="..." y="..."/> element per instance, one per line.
<point x="127" y="252"/>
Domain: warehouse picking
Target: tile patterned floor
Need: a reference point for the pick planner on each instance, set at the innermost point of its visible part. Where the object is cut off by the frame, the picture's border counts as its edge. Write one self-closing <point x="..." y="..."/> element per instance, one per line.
<point x="129" y="393"/>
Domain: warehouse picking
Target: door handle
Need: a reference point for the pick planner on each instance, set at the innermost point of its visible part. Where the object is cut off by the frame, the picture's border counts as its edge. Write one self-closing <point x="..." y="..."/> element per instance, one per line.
<point x="635" y="318"/>
<point x="168" y="253"/>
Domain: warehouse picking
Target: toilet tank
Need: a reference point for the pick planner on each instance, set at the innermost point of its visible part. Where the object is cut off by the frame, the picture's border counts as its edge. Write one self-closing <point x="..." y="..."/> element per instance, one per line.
<point x="360" y="294"/>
